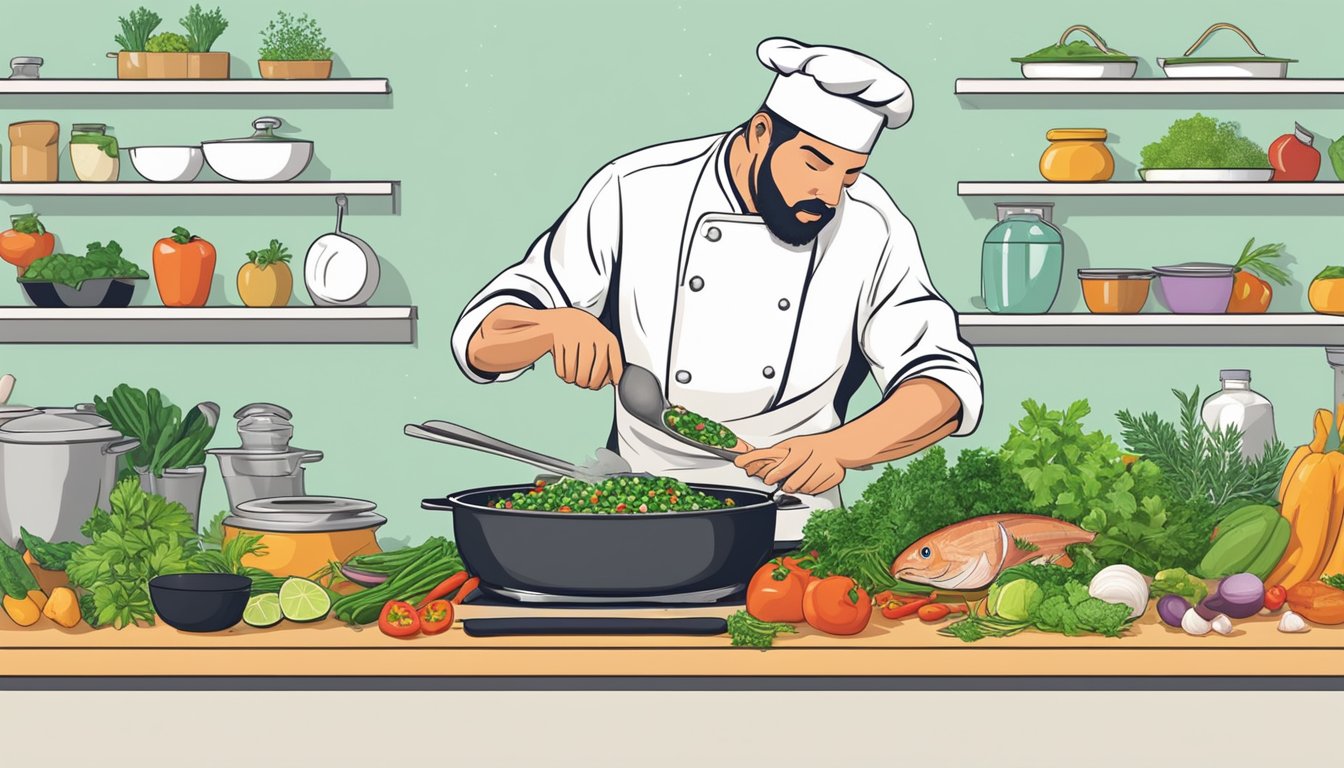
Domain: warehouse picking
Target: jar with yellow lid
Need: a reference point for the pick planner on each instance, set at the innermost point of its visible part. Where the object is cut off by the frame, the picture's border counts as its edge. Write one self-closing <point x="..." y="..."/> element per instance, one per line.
<point x="1077" y="154"/>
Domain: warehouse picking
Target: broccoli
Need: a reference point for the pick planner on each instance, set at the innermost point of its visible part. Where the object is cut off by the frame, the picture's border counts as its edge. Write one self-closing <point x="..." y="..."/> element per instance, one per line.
<point x="1203" y="142"/>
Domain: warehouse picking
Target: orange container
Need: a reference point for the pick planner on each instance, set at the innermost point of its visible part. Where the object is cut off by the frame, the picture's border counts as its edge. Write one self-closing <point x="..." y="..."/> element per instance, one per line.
<point x="1115" y="291"/>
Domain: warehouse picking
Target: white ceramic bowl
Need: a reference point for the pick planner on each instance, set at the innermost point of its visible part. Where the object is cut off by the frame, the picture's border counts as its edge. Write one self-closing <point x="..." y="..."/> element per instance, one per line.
<point x="167" y="163"/>
<point x="244" y="160"/>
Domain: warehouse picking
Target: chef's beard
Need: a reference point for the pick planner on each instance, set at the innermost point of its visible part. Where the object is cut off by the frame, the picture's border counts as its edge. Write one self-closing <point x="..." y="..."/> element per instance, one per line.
<point x="780" y="217"/>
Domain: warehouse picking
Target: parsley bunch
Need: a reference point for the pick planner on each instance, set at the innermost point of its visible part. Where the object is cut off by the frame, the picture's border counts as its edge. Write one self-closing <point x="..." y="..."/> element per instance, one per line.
<point x="1203" y="142"/>
<point x="1061" y="604"/>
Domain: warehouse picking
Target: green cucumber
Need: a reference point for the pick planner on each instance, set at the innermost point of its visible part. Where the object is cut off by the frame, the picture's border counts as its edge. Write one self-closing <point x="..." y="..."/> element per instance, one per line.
<point x="1273" y="550"/>
<point x="1236" y="547"/>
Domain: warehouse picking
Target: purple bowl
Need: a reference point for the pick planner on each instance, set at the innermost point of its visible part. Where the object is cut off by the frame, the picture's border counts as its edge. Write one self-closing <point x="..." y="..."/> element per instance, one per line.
<point x="1195" y="288"/>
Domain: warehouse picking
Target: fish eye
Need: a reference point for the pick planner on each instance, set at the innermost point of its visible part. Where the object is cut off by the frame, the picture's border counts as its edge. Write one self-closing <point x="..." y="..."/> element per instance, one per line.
<point x="925" y="552"/>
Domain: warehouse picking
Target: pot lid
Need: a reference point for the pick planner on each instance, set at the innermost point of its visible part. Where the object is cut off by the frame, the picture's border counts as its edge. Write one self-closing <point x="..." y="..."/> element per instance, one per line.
<point x="1196" y="269"/>
<point x="357" y="522"/>
<point x="46" y="427"/>
<point x="313" y="507"/>
<point x="14" y="410"/>
<point x="264" y="127"/>
<point x="1115" y="274"/>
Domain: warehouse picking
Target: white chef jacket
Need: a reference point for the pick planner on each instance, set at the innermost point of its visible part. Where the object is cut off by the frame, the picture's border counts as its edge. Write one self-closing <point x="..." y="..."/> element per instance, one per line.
<point x="768" y="339"/>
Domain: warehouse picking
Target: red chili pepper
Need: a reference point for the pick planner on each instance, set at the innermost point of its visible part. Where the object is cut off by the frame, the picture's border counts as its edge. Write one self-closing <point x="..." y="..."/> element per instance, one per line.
<point x="699" y="427"/>
<point x="620" y="507"/>
<point x="466" y="589"/>
<point x="399" y="619"/>
<point x="898" y="610"/>
<point x="564" y="509"/>
<point x="444" y="589"/>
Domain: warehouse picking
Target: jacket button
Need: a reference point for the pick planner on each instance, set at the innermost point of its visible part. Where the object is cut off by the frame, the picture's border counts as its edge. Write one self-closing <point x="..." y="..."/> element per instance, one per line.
<point x="768" y="373"/>
<point x="713" y="234"/>
<point x="683" y="377"/>
<point x="697" y="283"/>
<point x="784" y="304"/>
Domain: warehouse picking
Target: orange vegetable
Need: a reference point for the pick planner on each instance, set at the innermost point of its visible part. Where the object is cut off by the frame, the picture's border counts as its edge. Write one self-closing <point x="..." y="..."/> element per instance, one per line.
<point x="1250" y="291"/>
<point x="1317" y="602"/>
<point x="837" y="606"/>
<point x="265" y="280"/>
<point x="1249" y="294"/>
<point x="1326" y="292"/>
<point x="1312" y="501"/>
<point x="775" y="593"/>
<point x="184" y="266"/>
<point x="26" y="241"/>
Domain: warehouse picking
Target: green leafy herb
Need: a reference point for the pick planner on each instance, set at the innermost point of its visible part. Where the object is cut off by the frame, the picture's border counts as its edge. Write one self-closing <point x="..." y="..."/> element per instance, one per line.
<point x="1062" y="605"/>
<point x="1331" y="273"/>
<point x="293" y="38"/>
<point x="213" y="535"/>
<point x="27" y="223"/>
<point x="228" y="557"/>
<point x="142" y="536"/>
<point x="1335" y="580"/>
<point x="1203" y="142"/>
<point x="274" y="253"/>
<point x="49" y="555"/>
<point x="1077" y="50"/>
<point x="167" y="42"/>
<point x="1257" y="262"/>
<point x="1202" y="465"/>
<point x="1177" y="581"/>
<point x="203" y="29"/>
<point x="100" y="261"/>
<point x="168" y="440"/>
<point x="16" y="580"/>
<point x="750" y="632"/>
<point x="1336" y="153"/>
<point x="904" y="504"/>
<point x="136" y="28"/>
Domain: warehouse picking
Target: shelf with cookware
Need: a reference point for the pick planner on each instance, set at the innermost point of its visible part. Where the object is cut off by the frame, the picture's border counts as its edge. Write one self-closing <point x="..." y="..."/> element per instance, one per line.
<point x="1152" y="329"/>
<point x="209" y="325"/>
<point x="351" y="86"/>
<point x="201" y="188"/>
<point x="1048" y="189"/>
<point x="1148" y="86"/>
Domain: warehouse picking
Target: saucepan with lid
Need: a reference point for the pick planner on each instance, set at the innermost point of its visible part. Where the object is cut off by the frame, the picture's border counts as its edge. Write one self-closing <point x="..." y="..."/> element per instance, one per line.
<point x="263" y="156"/>
<point x="543" y="556"/>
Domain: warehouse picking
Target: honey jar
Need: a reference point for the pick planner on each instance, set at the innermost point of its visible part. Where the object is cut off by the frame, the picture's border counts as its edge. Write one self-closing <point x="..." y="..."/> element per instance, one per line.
<point x="1077" y="154"/>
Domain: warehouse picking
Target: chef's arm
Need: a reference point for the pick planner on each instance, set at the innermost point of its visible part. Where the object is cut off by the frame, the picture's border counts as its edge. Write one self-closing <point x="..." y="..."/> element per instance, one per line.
<point x="510" y="338"/>
<point x="917" y="414"/>
<point x="513" y="337"/>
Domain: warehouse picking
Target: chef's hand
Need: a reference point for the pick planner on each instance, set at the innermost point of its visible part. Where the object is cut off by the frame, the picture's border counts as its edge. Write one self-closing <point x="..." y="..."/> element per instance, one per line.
<point x="585" y="352"/>
<point x="808" y="464"/>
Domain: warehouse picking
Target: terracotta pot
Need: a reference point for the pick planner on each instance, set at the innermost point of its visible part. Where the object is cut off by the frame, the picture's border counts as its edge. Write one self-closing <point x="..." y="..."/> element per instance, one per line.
<point x="143" y="65"/>
<point x="295" y="70"/>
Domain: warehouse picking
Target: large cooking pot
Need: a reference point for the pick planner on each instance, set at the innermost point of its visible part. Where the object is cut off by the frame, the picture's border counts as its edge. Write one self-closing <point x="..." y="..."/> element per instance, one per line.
<point x="55" y="468"/>
<point x="700" y="556"/>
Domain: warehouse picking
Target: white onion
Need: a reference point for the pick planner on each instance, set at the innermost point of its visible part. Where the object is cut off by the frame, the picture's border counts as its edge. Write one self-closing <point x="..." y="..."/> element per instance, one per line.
<point x="1194" y="624"/>
<point x="1122" y="585"/>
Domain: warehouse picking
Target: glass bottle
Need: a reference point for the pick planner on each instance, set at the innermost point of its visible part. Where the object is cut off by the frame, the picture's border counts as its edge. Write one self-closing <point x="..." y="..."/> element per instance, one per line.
<point x="1237" y="405"/>
<point x="1022" y="263"/>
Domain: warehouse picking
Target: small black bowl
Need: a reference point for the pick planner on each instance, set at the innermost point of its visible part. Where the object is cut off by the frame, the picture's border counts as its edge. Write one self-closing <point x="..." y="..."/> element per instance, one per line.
<point x="94" y="292"/>
<point x="200" y="602"/>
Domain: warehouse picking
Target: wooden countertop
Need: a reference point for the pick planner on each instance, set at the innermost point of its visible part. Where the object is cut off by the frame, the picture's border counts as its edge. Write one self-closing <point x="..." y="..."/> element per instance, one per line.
<point x="885" y="648"/>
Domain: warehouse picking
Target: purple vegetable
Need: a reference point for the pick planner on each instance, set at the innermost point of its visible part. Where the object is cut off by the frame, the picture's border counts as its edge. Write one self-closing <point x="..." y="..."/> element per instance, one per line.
<point x="1209" y="608"/>
<point x="1240" y="595"/>
<point x="1171" y="608"/>
<point x="363" y="578"/>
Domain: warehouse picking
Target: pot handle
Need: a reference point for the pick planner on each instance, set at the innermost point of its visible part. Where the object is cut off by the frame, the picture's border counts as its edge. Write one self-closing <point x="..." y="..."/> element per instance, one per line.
<point x="1086" y="30"/>
<point x="310" y="456"/>
<point x="437" y="505"/>
<point x="1204" y="37"/>
<point x="120" y="447"/>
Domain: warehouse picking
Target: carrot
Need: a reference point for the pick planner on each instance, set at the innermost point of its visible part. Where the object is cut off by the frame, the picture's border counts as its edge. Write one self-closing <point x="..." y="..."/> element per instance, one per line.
<point x="444" y="589"/>
<point x="467" y="588"/>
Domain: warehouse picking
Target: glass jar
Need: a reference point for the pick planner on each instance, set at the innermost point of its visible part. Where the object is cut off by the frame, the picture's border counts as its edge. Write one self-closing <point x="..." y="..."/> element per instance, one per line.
<point x="1238" y="406"/>
<point x="1022" y="263"/>
<point x="1077" y="154"/>
<point x="33" y="151"/>
<point x="94" y="155"/>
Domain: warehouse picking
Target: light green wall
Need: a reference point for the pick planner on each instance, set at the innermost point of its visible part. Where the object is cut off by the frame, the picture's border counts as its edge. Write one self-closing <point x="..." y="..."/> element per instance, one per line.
<point x="501" y="110"/>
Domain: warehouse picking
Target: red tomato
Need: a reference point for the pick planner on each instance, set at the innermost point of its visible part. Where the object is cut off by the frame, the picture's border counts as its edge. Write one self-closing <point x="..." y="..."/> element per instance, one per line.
<point x="1293" y="156"/>
<point x="399" y="619"/>
<point x="776" y="592"/>
<point x="837" y="606"/>
<point x="1275" y="597"/>
<point x="436" y="617"/>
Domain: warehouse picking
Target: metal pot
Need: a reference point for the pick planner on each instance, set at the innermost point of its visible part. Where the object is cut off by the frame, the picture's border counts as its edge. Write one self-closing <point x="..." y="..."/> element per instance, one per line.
<point x="55" y="468"/>
<point x="677" y="557"/>
<point x="250" y="475"/>
<point x="183" y="486"/>
<point x="263" y="156"/>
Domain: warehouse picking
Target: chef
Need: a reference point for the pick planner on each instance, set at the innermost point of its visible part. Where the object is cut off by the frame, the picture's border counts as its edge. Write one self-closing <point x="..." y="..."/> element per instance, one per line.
<point x="762" y="277"/>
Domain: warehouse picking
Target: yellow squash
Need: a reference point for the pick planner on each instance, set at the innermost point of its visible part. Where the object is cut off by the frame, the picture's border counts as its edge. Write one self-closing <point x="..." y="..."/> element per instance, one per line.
<point x="1312" y="501"/>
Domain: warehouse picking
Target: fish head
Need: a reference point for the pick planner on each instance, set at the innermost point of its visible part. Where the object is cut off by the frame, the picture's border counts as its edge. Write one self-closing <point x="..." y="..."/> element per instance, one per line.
<point x="922" y="562"/>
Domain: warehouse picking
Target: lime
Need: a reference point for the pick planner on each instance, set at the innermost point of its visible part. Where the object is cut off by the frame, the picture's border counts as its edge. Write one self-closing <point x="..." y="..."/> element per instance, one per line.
<point x="303" y="600"/>
<point x="263" y="610"/>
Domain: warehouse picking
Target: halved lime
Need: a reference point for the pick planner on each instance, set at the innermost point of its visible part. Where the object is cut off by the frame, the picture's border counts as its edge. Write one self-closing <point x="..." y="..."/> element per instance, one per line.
<point x="263" y="610"/>
<point x="303" y="600"/>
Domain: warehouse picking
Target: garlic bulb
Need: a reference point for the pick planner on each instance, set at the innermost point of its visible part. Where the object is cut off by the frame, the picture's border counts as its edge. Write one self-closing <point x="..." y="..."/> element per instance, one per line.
<point x="1194" y="624"/>
<point x="1123" y="585"/>
<point x="1221" y="624"/>
<point x="1291" y="622"/>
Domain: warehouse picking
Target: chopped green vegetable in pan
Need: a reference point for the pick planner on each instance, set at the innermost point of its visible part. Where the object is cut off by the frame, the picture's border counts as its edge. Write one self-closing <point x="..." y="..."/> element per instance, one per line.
<point x="696" y="427"/>
<point x="617" y="495"/>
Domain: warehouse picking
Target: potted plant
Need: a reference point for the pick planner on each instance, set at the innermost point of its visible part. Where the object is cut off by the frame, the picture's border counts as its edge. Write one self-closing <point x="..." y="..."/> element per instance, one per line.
<point x="294" y="48"/>
<point x="170" y="55"/>
<point x="265" y="280"/>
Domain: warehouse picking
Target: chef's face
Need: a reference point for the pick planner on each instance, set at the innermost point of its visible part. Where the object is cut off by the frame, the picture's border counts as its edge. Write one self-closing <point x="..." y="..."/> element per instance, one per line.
<point x="797" y="178"/>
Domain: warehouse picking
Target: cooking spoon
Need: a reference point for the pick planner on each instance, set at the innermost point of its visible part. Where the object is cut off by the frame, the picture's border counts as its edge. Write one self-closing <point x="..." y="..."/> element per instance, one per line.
<point x="449" y="433"/>
<point x="642" y="396"/>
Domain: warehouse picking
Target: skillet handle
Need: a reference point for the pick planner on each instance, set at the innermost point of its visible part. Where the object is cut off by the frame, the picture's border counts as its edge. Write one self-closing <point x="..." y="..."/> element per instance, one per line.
<point x="436" y="505"/>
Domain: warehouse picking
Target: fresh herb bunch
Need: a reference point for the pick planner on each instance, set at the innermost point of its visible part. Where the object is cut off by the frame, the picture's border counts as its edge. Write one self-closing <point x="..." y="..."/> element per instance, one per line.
<point x="1060" y="603"/>
<point x="1203" y="465"/>
<point x="1258" y="263"/>
<point x="904" y="504"/>
<point x="275" y="253"/>
<point x="228" y="556"/>
<point x="167" y="42"/>
<point x="1078" y="50"/>
<point x="1081" y="477"/>
<point x="1203" y="142"/>
<point x="168" y="440"/>
<point x="27" y="223"/>
<point x="203" y="29"/>
<point x="67" y="269"/>
<point x="293" y="38"/>
<point x="136" y="27"/>
<point x="49" y="555"/>
<point x="750" y="632"/>
<point x="142" y="536"/>
<point x="1335" y="580"/>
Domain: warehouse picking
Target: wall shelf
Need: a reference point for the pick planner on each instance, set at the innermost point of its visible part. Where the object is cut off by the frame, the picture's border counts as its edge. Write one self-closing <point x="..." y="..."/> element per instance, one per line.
<point x="1019" y="86"/>
<point x="1153" y="330"/>
<point x="1150" y="189"/>
<point x="209" y="325"/>
<point x="235" y="86"/>
<point x="199" y="189"/>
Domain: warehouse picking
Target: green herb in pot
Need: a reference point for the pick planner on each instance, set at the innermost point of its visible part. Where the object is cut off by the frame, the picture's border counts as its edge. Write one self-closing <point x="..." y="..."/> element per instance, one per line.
<point x="136" y="27"/>
<point x="293" y="38"/>
<point x="203" y="29"/>
<point x="167" y="42"/>
<point x="101" y="261"/>
<point x="168" y="440"/>
<point x="1078" y="50"/>
<point x="1203" y="142"/>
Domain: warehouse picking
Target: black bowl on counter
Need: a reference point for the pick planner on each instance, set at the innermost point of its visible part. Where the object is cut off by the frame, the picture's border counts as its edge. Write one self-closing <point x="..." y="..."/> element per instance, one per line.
<point x="94" y="292"/>
<point x="200" y="602"/>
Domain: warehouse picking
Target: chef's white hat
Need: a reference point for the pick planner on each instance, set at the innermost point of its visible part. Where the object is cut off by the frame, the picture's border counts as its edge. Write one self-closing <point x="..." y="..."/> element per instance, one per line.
<point x="835" y="94"/>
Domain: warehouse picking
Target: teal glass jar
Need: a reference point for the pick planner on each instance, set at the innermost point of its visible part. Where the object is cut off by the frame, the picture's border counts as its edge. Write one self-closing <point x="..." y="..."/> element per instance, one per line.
<point x="1022" y="263"/>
